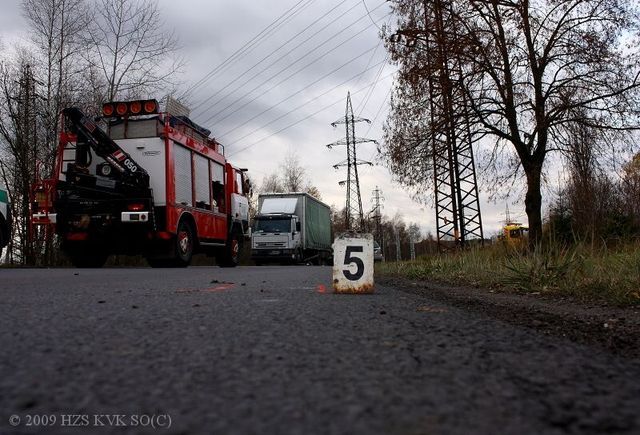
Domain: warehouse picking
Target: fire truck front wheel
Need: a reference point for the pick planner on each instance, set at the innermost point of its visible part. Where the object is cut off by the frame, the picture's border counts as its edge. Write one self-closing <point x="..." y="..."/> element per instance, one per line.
<point x="230" y="257"/>
<point x="184" y="243"/>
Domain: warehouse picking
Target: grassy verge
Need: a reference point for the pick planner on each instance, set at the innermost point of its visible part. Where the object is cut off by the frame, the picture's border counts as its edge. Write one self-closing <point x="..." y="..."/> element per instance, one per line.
<point x="582" y="272"/>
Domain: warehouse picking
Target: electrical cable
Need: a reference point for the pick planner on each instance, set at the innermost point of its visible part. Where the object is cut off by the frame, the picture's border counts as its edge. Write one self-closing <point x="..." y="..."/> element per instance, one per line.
<point x="273" y="106"/>
<point x="307" y="53"/>
<point x="369" y="13"/>
<point x="364" y="102"/>
<point x="384" y="101"/>
<point x="287" y="78"/>
<point x="303" y="119"/>
<point x="273" y="52"/>
<point x="250" y="44"/>
<point x="300" y="106"/>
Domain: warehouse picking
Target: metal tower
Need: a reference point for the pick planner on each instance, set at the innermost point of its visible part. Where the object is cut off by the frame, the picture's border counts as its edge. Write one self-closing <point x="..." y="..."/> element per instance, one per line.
<point x="377" y="213"/>
<point x="456" y="188"/>
<point x="354" y="217"/>
<point x="450" y="133"/>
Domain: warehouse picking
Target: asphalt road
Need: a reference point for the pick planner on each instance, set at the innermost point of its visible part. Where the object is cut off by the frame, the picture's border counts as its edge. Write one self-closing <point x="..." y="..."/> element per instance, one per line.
<point x="270" y="350"/>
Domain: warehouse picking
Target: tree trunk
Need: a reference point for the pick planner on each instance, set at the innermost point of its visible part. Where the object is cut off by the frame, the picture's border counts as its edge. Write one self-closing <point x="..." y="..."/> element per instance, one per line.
<point x="533" y="204"/>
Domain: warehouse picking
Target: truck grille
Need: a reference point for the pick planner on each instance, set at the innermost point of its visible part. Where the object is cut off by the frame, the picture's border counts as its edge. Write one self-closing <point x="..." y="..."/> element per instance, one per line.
<point x="270" y="244"/>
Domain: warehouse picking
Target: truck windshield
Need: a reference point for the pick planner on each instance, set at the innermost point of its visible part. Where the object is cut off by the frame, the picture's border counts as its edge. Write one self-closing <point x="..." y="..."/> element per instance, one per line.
<point x="272" y="226"/>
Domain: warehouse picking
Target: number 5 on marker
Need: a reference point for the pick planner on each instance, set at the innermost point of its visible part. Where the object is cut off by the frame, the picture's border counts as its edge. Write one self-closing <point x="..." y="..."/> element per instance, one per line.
<point x="353" y="263"/>
<point x="348" y="259"/>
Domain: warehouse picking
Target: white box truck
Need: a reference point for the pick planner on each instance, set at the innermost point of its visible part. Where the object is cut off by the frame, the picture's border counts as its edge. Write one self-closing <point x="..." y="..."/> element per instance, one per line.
<point x="291" y="228"/>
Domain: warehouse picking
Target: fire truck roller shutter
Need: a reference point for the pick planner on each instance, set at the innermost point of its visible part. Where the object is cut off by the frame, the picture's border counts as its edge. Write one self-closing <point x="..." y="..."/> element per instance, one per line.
<point x="182" y="170"/>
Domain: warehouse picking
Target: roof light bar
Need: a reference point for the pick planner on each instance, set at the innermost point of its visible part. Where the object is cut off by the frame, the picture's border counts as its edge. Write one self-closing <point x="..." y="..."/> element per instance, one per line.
<point x="130" y="108"/>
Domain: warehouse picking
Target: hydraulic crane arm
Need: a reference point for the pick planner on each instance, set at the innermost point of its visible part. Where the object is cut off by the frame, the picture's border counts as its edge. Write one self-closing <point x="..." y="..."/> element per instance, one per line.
<point x="130" y="171"/>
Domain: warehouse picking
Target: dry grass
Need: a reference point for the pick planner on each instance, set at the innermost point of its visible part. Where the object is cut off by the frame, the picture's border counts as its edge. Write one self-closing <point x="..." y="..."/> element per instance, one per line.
<point x="582" y="272"/>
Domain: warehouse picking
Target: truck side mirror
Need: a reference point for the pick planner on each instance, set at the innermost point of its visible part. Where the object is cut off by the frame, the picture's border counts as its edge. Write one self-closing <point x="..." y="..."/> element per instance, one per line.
<point x="297" y="226"/>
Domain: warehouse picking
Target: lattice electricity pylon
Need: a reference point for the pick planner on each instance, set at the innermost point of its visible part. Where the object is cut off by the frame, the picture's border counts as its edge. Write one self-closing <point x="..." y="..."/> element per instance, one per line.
<point x="457" y="201"/>
<point x="354" y="217"/>
<point x="458" y="218"/>
<point x="377" y="199"/>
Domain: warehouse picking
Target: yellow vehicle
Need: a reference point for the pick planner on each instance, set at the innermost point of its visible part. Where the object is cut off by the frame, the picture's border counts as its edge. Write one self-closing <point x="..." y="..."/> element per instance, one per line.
<point x="514" y="233"/>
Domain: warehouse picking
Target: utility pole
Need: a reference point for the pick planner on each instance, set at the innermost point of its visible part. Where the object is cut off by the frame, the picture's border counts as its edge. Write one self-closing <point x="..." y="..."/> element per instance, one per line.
<point x="414" y="234"/>
<point x="412" y="247"/>
<point x="354" y="217"/>
<point x="26" y="157"/>
<point x="377" y="212"/>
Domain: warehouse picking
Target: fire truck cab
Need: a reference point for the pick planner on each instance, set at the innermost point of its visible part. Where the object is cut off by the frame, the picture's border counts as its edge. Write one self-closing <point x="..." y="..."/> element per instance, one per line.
<point x="142" y="182"/>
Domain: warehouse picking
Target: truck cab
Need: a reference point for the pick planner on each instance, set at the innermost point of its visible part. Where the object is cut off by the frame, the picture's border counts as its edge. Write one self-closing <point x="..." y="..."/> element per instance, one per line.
<point x="276" y="236"/>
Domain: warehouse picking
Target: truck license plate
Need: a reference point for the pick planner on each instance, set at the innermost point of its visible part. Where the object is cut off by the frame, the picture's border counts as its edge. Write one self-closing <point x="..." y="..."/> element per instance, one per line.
<point x="274" y="252"/>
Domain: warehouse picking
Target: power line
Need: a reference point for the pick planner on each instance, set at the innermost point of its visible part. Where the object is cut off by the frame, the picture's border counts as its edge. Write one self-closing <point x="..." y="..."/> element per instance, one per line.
<point x="273" y="106"/>
<point x="369" y="13"/>
<point x="271" y="54"/>
<point x="287" y="67"/>
<point x="299" y="121"/>
<point x="251" y="43"/>
<point x="372" y="88"/>
<point x="300" y="106"/>
<point x="384" y="101"/>
<point x="287" y="78"/>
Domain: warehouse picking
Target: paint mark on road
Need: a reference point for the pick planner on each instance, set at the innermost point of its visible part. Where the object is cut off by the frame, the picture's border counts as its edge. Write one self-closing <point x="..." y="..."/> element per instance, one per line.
<point x="428" y="309"/>
<point x="220" y="288"/>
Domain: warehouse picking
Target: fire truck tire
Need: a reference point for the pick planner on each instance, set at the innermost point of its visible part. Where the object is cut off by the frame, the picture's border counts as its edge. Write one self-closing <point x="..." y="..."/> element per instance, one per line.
<point x="184" y="244"/>
<point x="230" y="257"/>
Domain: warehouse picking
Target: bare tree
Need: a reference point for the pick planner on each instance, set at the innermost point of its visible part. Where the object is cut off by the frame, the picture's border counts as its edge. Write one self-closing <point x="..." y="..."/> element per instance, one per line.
<point x="271" y="183"/>
<point x="56" y="29"/>
<point x="527" y="71"/>
<point x="291" y="177"/>
<point x="132" y="49"/>
<point x="293" y="174"/>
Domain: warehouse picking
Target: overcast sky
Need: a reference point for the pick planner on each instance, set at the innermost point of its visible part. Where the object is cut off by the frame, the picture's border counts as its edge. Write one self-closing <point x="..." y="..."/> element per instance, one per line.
<point x="284" y="93"/>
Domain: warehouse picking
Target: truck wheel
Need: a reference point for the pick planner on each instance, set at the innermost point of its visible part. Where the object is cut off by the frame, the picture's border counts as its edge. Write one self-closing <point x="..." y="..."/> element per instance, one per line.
<point x="183" y="245"/>
<point x="231" y="255"/>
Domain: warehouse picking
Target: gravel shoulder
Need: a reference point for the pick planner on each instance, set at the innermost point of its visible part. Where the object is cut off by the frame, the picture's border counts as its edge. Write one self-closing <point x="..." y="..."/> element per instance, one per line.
<point x="612" y="328"/>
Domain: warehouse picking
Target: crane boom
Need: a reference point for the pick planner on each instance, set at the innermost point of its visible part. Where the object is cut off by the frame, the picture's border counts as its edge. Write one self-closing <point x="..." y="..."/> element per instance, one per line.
<point x="130" y="171"/>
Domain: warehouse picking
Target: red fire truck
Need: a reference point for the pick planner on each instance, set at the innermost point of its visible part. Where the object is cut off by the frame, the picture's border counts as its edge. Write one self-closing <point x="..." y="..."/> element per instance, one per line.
<point x="138" y="181"/>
